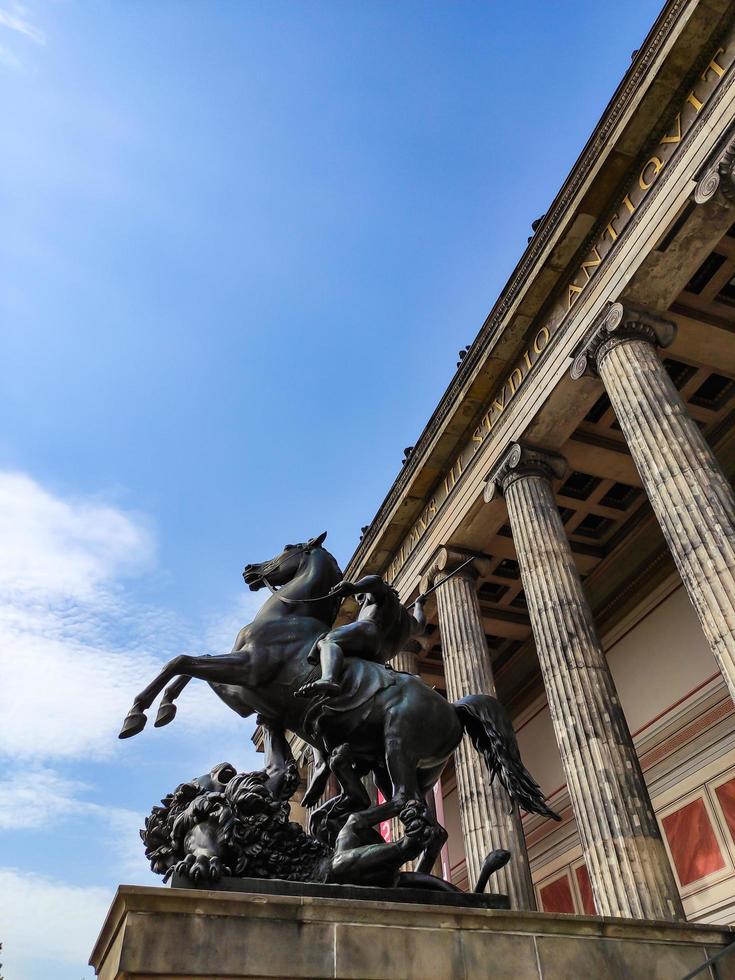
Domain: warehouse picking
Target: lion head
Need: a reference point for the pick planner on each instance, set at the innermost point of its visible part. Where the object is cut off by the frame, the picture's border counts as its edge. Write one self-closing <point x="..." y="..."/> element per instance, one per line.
<point x="228" y="823"/>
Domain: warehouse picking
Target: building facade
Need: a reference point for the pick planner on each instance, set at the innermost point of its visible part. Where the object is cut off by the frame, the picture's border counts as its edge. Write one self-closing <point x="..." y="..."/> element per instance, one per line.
<point x="583" y="455"/>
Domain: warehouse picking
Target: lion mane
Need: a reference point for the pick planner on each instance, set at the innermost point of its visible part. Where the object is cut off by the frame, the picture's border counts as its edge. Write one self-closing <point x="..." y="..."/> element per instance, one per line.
<point x="236" y="823"/>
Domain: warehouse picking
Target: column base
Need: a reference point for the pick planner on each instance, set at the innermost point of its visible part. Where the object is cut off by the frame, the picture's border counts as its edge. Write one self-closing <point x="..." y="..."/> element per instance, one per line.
<point x="186" y="933"/>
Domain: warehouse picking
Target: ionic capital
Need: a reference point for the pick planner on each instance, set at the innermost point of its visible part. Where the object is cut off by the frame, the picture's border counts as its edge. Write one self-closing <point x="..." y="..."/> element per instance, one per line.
<point x="717" y="176"/>
<point x="617" y="325"/>
<point x="446" y="559"/>
<point x="521" y="460"/>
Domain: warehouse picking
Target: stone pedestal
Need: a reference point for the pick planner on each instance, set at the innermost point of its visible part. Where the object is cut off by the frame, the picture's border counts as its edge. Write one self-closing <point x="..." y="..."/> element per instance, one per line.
<point x="487" y="819"/>
<point x="186" y="934"/>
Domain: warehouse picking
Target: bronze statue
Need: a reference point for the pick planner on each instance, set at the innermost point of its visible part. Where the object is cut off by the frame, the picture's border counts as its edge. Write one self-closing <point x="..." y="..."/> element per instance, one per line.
<point x="380" y="631"/>
<point x="228" y="824"/>
<point x="394" y="724"/>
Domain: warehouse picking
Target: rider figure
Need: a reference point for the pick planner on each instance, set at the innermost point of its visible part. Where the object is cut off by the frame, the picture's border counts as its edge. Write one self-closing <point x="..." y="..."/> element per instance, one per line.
<point x="380" y="631"/>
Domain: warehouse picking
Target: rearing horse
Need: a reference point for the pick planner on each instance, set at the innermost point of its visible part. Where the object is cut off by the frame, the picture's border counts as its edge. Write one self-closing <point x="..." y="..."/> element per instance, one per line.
<point x="387" y="722"/>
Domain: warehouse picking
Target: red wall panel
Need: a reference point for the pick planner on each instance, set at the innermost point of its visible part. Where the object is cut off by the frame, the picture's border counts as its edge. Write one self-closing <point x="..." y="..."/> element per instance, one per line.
<point x="726" y="796"/>
<point x="585" y="890"/>
<point x="692" y="842"/>
<point x="557" y="896"/>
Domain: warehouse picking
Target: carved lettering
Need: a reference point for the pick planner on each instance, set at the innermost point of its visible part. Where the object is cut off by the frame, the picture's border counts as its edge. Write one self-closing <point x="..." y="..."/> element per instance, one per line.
<point x="513" y="384"/>
<point x="713" y="66"/>
<point x="537" y="345"/>
<point x="591" y="264"/>
<point x="655" y="162"/>
<point x="673" y="137"/>
<point x="694" y="101"/>
<point x="499" y="404"/>
<point x="587" y="269"/>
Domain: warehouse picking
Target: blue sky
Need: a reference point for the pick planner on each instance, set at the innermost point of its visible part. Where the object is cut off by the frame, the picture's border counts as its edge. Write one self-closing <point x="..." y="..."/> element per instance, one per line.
<point x="241" y="246"/>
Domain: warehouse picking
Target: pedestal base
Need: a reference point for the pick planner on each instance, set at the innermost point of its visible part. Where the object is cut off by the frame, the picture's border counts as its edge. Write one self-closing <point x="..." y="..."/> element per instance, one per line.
<point x="181" y="933"/>
<point x="354" y="893"/>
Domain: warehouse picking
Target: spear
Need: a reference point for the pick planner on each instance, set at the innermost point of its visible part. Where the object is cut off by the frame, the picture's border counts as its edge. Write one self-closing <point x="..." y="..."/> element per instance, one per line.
<point x="446" y="578"/>
<point x="329" y="595"/>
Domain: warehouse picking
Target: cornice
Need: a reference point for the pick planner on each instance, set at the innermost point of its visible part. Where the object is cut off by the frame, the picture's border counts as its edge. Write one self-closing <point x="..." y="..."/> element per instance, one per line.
<point x="523" y="273"/>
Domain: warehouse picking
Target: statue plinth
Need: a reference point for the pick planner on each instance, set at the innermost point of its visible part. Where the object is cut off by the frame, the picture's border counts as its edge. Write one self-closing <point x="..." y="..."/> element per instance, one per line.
<point x="352" y="893"/>
<point x="187" y="933"/>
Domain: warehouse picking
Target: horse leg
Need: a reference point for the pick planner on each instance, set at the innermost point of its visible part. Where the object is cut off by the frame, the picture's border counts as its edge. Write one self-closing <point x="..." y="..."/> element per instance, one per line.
<point x="224" y="670"/>
<point x="382" y="782"/>
<point x="167" y="708"/>
<point x="280" y="764"/>
<point x="342" y="765"/>
<point x="403" y="777"/>
<point x="409" y="790"/>
<point x="319" y="779"/>
<point x="427" y="778"/>
<point x="329" y="819"/>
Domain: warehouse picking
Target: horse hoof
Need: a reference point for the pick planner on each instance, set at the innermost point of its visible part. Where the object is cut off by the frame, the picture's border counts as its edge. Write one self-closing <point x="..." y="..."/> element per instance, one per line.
<point x="133" y="724"/>
<point x="166" y="713"/>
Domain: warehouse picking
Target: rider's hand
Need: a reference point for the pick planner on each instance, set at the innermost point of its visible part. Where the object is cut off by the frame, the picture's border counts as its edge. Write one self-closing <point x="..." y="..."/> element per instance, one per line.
<point x="343" y="588"/>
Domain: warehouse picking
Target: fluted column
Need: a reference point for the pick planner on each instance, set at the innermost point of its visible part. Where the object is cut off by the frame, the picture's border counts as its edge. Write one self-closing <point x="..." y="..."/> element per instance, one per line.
<point x="628" y="866"/>
<point x="405" y="660"/>
<point x="484" y="808"/>
<point x="689" y="494"/>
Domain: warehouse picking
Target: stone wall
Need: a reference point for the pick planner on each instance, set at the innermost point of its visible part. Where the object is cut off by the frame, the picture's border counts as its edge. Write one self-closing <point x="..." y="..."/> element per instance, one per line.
<point x="182" y="933"/>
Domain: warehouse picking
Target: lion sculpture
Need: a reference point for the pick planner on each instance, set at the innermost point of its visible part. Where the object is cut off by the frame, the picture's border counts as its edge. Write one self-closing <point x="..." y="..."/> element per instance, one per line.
<point x="238" y="825"/>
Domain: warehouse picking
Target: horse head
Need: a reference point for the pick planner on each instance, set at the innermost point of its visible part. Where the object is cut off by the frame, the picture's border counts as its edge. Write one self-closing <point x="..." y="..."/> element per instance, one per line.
<point x="284" y="568"/>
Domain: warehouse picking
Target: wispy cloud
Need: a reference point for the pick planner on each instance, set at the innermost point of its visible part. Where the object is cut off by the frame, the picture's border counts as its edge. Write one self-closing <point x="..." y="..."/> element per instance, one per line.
<point x="66" y="626"/>
<point x="75" y="645"/>
<point x="15" y="19"/>
<point x="47" y="922"/>
<point x="34" y="798"/>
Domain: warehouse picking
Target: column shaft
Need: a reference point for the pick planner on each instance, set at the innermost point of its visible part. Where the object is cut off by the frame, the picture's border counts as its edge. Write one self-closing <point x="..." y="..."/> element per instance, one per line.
<point x="689" y="494"/>
<point x="406" y="661"/>
<point x="628" y="866"/>
<point x="484" y="809"/>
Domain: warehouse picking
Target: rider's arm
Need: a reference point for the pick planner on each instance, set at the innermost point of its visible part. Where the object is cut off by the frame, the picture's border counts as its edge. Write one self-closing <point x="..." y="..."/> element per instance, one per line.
<point x="373" y="584"/>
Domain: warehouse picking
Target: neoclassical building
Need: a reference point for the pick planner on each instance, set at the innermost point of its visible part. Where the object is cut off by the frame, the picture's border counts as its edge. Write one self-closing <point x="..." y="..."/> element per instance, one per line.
<point x="582" y="455"/>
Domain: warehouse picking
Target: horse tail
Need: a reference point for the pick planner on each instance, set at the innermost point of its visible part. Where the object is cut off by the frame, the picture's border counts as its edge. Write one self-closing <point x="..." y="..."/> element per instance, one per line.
<point x="487" y="723"/>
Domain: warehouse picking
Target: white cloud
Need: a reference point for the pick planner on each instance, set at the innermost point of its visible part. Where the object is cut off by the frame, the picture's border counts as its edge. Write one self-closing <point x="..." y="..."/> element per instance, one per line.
<point x="75" y="647"/>
<point x="64" y="548"/>
<point x="14" y="19"/>
<point x="36" y="798"/>
<point x="67" y="632"/>
<point x="40" y="799"/>
<point x="46" y="920"/>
